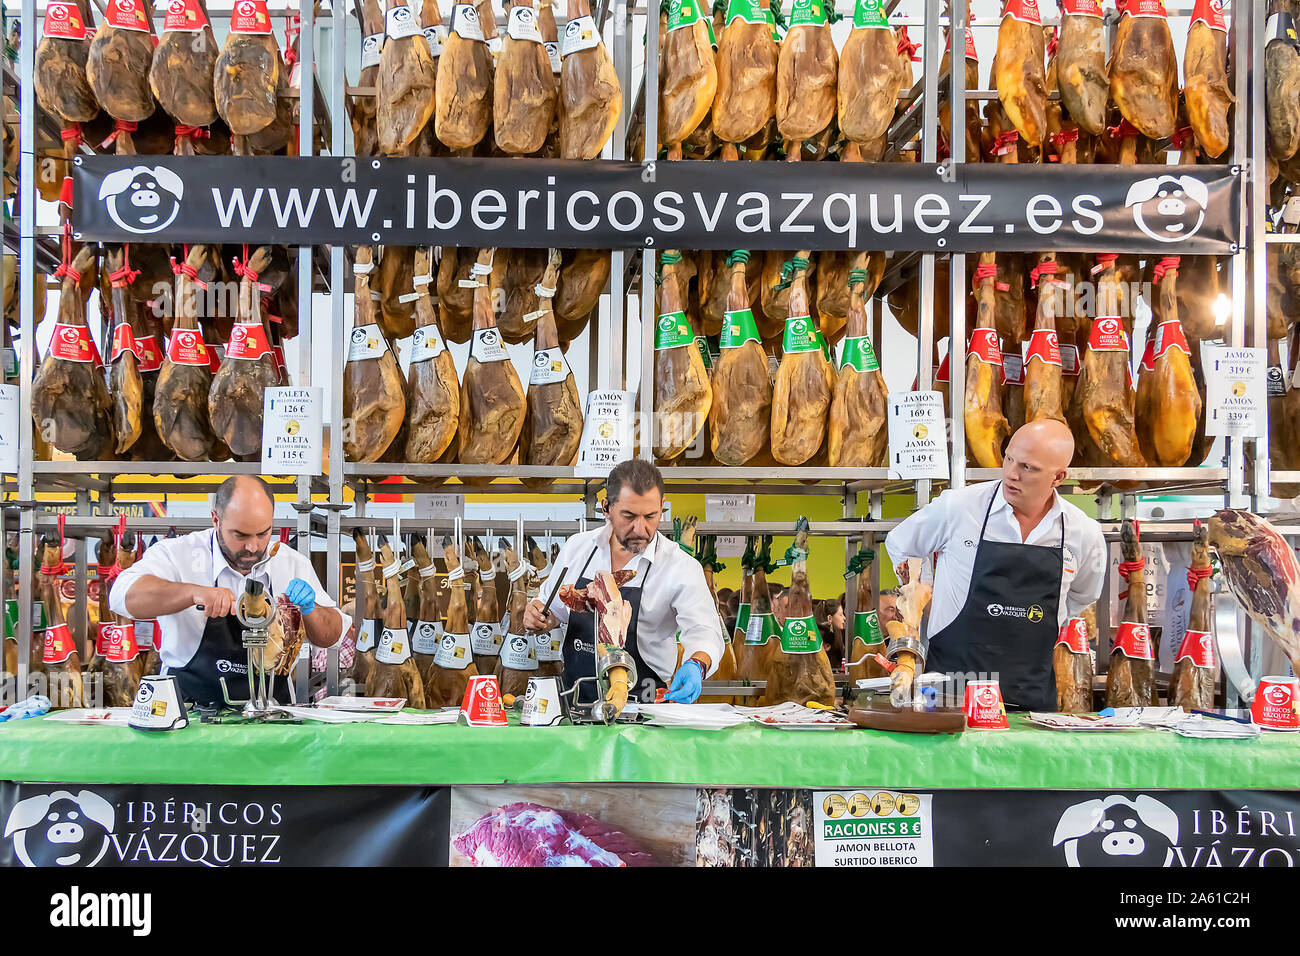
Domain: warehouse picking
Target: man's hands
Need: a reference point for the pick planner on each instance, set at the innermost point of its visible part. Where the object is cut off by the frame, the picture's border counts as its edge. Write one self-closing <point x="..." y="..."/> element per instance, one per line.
<point x="216" y="602"/>
<point x="538" y="619"/>
<point x="302" y="594"/>
<point x="687" y="683"/>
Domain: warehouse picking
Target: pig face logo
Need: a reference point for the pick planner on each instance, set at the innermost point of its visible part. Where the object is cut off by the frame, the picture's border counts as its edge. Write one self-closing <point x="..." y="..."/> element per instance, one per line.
<point x="142" y="199"/>
<point x="1117" y="831"/>
<point x="61" y="829"/>
<point x="1168" y="208"/>
<point x="1277" y="695"/>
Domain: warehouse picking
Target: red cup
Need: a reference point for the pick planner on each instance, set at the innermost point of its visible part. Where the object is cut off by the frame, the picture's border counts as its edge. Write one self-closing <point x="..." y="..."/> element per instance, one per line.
<point x="1276" y="702"/>
<point x="984" y="707"/>
<point x="482" y="704"/>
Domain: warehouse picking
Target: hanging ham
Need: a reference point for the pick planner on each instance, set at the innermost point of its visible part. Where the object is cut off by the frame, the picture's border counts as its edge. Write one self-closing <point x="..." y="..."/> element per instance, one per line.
<point x="125" y="384"/>
<point x="247" y="76"/>
<point x="456" y="292"/>
<point x="394" y="672"/>
<point x="463" y="108"/>
<point x="236" y="398"/>
<point x="590" y="94"/>
<point x="1131" y="679"/>
<point x="1043" y="389"/>
<point x="868" y="639"/>
<point x="870" y="77"/>
<point x="1081" y="64"/>
<point x="1167" y="404"/>
<point x="180" y="406"/>
<point x="858" y="433"/>
<point x="986" y="425"/>
<point x="525" y="92"/>
<point x="367" y="610"/>
<point x="404" y="85"/>
<point x="583" y="278"/>
<point x="116" y="647"/>
<point x="70" y="402"/>
<point x="801" y="395"/>
<point x="453" y="664"/>
<point x="432" y="382"/>
<point x="518" y="273"/>
<point x="747" y="65"/>
<point x="806" y="74"/>
<point x="763" y="632"/>
<point x="1072" y="664"/>
<point x="183" y="65"/>
<point x="1205" y="72"/>
<point x="62" y="88"/>
<point x="800" y="670"/>
<point x="553" y="422"/>
<point x="518" y="659"/>
<point x="741" y="408"/>
<point x="491" y="397"/>
<point x="426" y="633"/>
<point x="683" y="395"/>
<point x="1196" y="663"/>
<point x="374" y="401"/>
<point x="1144" y="69"/>
<point x="486" y="632"/>
<point x="688" y="75"/>
<point x="743" y="650"/>
<point x="726" y="671"/>
<point x="61" y="659"/>
<point x="393" y="278"/>
<point x="362" y="108"/>
<point x="1282" y="81"/>
<point x="119" y="61"/>
<point x="1019" y="70"/>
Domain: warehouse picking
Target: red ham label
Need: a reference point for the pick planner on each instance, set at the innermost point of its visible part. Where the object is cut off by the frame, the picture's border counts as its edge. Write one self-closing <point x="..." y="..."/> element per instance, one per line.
<point x="250" y="16"/>
<point x="214" y="357"/>
<point x="1082" y="8"/>
<point x="184" y="16"/>
<point x="1198" y="647"/>
<point x="1044" y="346"/>
<point x="147" y="354"/>
<point x="73" y="344"/>
<point x="63" y="20"/>
<point x="128" y="15"/>
<point x="279" y="357"/>
<point x="1210" y="12"/>
<point x="984" y="346"/>
<point x="1074" y="635"/>
<point x="1135" y="641"/>
<point x="1170" y="336"/>
<point x="970" y="44"/>
<point x="1070" y="360"/>
<point x="1146" y="8"/>
<point x="58" y="644"/>
<point x="1148" y="363"/>
<point x="186" y="348"/>
<point x="942" y="374"/>
<point x="1108" y="335"/>
<point x="248" y="341"/>
<point x="123" y="341"/>
<point x="1026" y="11"/>
<point x="116" y="643"/>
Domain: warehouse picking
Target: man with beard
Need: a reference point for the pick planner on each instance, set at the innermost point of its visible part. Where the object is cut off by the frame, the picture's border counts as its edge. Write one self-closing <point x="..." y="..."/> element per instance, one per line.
<point x="668" y="595"/>
<point x="191" y="585"/>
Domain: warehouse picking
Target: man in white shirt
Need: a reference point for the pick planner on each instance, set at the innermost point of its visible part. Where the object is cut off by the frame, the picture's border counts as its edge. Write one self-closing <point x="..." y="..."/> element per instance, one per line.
<point x="1015" y="561"/>
<point x="668" y="594"/>
<point x="191" y="584"/>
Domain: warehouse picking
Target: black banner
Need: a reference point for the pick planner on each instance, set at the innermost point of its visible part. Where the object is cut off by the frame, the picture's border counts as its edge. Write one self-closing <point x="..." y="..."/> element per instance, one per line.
<point x="1176" y="210"/>
<point x="106" y="825"/>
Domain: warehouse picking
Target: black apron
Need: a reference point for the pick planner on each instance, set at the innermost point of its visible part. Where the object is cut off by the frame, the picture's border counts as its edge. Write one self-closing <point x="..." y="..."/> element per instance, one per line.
<point x="1008" y="624"/>
<point x="582" y="663"/>
<point x="221" y="654"/>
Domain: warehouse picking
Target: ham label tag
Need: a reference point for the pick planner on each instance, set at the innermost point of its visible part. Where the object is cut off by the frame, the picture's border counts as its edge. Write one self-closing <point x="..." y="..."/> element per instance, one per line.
<point x="747" y="10"/>
<point x="1013" y="368"/>
<point x="250" y="16"/>
<point x="401" y="22"/>
<point x="73" y="343"/>
<point x="63" y="20"/>
<point x="1044" y="346"/>
<point x="116" y="643"/>
<point x="1108" y="335"/>
<point x="738" y="328"/>
<point x="436" y="36"/>
<point x="518" y="654"/>
<point x="393" y="647"/>
<point x="184" y="16"/>
<point x="1209" y="12"/>
<point x="1134" y="641"/>
<point x="1198" y="647"/>
<point x="866" y="627"/>
<point x="426" y="343"/>
<point x="673" y="331"/>
<point x="683" y="14"/>
<point x="58" y="644"/>
<point x="367" y="342"/>
<point x="1082" y="8"/>
<point x="807" y="13"/>
<point x="522" y="24"/>
<point x="1074" y="635"/>
<point x="1146" y="8"/>
<point x="801" y="635"/>
<point x="984" y="346"/>
<point x="464" y="22"/>
<point x="859" y="354"/>
<point x="1026" y="11"/>
<point x="453" y="652"/>
<point x="248" y="341"/>
<point x="761" y="628"/>
<point x="702" y="344"/>
<point x="550" y="367"/>
<point x="488" y="347"/>
<point x="870" y="15"/>
<point x="1070" y="360"/>
<point x="1170" y="335"/>
<point x="371" y="47"/>
<point x="485" y="638"/>
<point x="548" y="647"/>
<point x="366" y="634"/>
<point x="800" y="335"/>
<point x="127" y="15"/>
<point x="579" y="34"/>
<point x="426" y="637"/>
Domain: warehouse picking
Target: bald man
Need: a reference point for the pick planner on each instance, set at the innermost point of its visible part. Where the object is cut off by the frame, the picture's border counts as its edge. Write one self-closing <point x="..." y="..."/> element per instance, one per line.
<point x="191" y="586"/>
<point x="1014" y="562"/>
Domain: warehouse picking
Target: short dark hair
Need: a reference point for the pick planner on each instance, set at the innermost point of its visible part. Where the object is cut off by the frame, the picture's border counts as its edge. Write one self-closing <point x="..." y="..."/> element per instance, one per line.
<point x="226" y="490"/>
<point x="636" y="474"/>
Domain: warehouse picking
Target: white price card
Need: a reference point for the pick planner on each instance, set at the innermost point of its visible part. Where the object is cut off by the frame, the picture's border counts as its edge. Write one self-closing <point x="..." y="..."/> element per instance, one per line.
<point x="875" y="828"/>
<point x="606" y="433"/>
<point x="918" y="440"/>
<point x="9" y="429"/>
<point x="1236" y="393"/>
<point x="291" y="430"/>
<point x="446" y="507"/>
<point x="729" y="508"/>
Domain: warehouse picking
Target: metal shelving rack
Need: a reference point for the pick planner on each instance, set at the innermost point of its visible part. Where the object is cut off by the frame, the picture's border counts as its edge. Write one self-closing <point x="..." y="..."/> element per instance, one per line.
<point x="630" y="282"/>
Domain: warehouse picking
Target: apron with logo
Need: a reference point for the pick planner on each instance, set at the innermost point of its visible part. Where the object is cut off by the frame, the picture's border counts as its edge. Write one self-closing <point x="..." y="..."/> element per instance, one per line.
<point x="990" y="634"/>
<point x="582" y="663"/>
<point x="221" y="654"/>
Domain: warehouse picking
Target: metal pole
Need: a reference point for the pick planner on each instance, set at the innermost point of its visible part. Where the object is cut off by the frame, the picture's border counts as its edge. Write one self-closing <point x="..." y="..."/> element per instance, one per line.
<point x="338" y="148"/>
<point x="1250" y="156"/>
<point x="306" y="145"/>
<point x="1254" y="166"/>
<point x="645" y="386"/>
<point x="26" y="204"/>
<point x="929" y="153"/>
<point x="957" y="262"/>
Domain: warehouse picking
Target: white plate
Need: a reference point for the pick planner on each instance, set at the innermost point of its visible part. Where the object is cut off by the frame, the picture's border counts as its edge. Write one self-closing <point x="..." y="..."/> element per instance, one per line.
<point x="383" y="705"/>
<point x="92" y="717"/>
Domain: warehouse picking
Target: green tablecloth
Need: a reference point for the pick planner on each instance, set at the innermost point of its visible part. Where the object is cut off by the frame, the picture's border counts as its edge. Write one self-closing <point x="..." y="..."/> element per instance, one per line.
<point x="1024" y="757"/>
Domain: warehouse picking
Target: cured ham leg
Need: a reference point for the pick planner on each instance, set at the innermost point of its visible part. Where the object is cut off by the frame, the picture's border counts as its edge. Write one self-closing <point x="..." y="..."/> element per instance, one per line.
<point x="801" y="396"/>
<point x="1131" y="679"/>
<point x="799" y="670"/>
<point x="1019" y="70"/>
<point x="1081" y="64"/>
<point x="868" y="639"/>
<point x="688" y="75"/>
<point x="740" y="413"/>
<point x="1263" y="574"/>
<point x="1144" y="69"/>
<point x="857" y="434"/>
<point x="913" y="598"/>
<point x="1197" y="664"/>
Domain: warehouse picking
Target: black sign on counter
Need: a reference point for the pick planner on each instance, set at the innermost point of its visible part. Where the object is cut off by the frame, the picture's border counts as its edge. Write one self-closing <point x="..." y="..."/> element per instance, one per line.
<point x="535" y="203"/>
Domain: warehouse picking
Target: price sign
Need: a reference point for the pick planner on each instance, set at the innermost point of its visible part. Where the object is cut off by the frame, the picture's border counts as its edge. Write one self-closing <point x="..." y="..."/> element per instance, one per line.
<point x="918" y="440"/>
<point x="448" y="507"/>
<point x="1236" y="391"/>
<point x="606" y="433"/>
<point x="9" y="429"/>
<point x="729" y="508"/>
<point x="291" y="431"/>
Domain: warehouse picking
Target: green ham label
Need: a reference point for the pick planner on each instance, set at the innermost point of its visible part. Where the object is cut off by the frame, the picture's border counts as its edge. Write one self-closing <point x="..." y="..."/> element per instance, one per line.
<point x="747" y="10"/>
<point x="807" y="13"/>
<point x="738" y="328"/>
<point x="742" y="619"/>
<point x="683" y="14"/>
<point x="859" y="354"/>
<point x="870" y="15"/>
<point x="761" y="628"/>
<point x="702" y="344"/>
<point x="866" y="627"/>
<point x="673" y="331"/>
<point x="800" y="335"/>
<point x="801" y="636"/>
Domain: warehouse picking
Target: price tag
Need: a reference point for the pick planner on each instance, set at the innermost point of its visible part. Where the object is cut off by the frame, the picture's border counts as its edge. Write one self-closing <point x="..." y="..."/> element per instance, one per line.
<point x="291" y="431"/>
<point x="1236" y="393"/>
<point x="729" y="508"/>
<point x="918" y="440"/>
<point x="440" y="507"/>
<point x="9" y="429"/>
<point x="606" y="433"/>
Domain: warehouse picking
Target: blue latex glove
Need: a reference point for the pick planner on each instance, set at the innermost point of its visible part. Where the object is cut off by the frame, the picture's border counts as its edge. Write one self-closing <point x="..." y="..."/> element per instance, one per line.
<point x="687" y="683"/>
<point x="31" y="707"/>
<point x="302" y="594"/>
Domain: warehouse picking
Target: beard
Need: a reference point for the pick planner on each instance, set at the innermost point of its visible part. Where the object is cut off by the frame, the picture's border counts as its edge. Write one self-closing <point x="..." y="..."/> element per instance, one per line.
<point x="632" y="545"/>
<point x="239" y="561"/>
